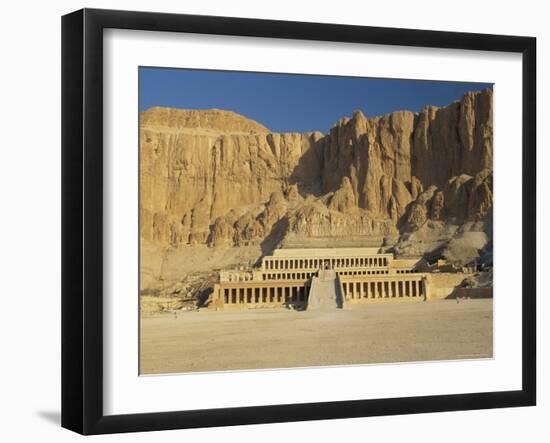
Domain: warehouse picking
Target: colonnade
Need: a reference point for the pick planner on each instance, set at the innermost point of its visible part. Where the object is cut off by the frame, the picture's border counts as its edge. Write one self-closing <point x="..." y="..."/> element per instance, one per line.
<point x="383" y="289"/>
<point x="304" y="275"/>
<point x="363" y="272"/>
<point x="268" y="295"/>
<point x="275" y="263"/>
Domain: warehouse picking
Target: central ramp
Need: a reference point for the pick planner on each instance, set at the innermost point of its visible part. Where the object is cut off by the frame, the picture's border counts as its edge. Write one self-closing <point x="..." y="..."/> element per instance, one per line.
<point x="325" y="291"/>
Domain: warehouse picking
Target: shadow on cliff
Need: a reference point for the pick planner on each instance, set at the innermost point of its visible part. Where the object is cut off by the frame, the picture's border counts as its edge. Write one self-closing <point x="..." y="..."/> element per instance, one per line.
<point x="203" y="297"/>
<point x="273" y="239"/>
<point x="307" y="175"/>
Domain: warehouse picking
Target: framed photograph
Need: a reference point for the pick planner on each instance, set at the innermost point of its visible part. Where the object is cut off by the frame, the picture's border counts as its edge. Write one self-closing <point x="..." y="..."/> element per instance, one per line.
<point x="269" y="221"/>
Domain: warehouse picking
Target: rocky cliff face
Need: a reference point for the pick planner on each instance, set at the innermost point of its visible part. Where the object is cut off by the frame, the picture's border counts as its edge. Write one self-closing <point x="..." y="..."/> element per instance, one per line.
<point x="217" y="178"/>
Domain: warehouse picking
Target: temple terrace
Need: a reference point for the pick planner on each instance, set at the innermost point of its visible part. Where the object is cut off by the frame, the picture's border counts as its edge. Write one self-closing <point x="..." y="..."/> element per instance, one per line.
<point x="321" y="278"/>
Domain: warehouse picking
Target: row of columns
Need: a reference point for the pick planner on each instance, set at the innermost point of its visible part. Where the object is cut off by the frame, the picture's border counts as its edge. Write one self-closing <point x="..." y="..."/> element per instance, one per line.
<point x="317" y="263"/>
<point x="365" y="272"/>
<point x="307" y="275"/>
<point x="266" y="294"/>
<point x="287" y="275"/>
<point x="383" y="289"/>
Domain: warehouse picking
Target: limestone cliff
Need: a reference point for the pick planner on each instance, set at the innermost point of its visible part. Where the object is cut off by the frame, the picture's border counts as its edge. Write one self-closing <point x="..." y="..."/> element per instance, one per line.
<point x="217" y="178"/>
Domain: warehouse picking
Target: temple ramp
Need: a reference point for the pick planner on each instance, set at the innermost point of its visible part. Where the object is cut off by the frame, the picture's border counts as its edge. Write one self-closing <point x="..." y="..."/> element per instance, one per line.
<point x="325" y="292"/>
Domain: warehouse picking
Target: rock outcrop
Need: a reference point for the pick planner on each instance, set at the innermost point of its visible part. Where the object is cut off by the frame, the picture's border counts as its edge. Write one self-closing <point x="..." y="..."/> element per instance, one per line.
<point x="217" y="178"/>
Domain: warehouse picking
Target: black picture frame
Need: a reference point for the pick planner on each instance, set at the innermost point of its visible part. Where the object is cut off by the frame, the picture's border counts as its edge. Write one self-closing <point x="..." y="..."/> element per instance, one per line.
<point x="82" y="218"/>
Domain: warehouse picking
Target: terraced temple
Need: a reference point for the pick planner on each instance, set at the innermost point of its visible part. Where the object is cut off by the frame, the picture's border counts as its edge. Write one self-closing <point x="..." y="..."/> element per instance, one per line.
<point x="308" y="278"/>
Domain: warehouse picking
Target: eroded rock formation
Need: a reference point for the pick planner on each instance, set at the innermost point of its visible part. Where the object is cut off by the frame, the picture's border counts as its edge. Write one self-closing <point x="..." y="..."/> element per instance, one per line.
<point x="217" y="178"/>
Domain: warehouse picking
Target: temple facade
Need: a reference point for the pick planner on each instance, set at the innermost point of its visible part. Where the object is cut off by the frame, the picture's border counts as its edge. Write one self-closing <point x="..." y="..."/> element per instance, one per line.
<point x="349" y="275"/>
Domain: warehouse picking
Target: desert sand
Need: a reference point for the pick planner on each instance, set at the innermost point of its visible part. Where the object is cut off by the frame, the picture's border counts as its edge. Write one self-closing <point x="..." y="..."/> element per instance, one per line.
<point x="277" y="338"/>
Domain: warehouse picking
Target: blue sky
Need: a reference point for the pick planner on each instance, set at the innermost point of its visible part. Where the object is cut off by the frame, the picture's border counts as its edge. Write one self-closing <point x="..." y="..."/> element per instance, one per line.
<point x="289" y="102"/>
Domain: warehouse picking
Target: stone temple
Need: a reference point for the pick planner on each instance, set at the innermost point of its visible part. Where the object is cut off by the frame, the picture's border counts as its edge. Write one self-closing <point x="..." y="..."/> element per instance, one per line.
<point x="321" y="278"/>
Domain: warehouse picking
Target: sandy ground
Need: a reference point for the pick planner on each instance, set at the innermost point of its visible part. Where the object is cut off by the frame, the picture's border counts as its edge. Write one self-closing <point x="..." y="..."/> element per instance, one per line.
<point x="359" y="334"/>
